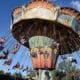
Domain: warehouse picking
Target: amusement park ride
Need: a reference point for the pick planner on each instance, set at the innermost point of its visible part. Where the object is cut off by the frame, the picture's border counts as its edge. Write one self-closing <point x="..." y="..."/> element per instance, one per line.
<point x="48" y="31"/>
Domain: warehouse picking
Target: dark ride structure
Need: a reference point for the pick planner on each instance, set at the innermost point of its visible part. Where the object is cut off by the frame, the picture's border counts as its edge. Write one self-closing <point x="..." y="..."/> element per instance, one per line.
<point x="48" y="31"/>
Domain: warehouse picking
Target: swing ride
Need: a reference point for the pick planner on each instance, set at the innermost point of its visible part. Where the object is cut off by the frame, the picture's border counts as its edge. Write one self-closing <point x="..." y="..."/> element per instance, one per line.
<point x="48" y="30"/>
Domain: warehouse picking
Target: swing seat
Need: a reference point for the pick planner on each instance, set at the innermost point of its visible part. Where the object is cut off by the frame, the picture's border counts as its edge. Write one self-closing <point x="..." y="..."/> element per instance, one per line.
<point x="4" y="57"/>
<point x="6" y="52"/>
<point x="16" y="48"/>
<point x="2" y="40"/>
<point x="1" y="47"/>
<point x="8" y="62"/>
<point x="16" y="66"/>
<point x="23" y="41"/>
<point x="25" y="69"/>
<point x="72" y="60"/>
<point x="1" y="57"/>
<point x="21" y="67"/>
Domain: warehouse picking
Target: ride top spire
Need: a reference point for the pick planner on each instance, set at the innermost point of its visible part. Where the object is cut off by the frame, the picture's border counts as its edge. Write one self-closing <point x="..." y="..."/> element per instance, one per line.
<point x="40" y="0"/>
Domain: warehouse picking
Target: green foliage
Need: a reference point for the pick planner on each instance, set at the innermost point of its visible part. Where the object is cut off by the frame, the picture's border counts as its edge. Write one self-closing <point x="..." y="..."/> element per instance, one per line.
<point x="63" y="72"/>
<point x="1" y="72"/>
<point x="17" y="75"/>
<point x="67" y="67"/>
<point x="31" y="74"/>
<point x="9" y="74"/>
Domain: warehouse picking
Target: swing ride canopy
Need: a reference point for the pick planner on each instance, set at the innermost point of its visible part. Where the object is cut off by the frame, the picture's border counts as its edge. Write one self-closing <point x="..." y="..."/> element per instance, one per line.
<point x="41" y="23"/>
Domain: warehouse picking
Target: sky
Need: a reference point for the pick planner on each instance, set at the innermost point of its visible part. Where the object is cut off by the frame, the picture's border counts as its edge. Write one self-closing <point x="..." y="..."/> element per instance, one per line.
<point x="7" y="6"/>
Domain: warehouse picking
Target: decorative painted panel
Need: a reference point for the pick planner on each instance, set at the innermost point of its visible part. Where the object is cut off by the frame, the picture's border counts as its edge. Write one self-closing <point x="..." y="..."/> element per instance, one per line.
<point x="17" y="17"/>
<point x="74" y="24"/>
<point x="42" y="13"/>
<point x="42" y="53"/>
<point x="44" y="58"/>
<point x="78" y="27"/>
<point x="40" y="41"/>
<point x="69" y="21"/>
<point x="65" y="19"/>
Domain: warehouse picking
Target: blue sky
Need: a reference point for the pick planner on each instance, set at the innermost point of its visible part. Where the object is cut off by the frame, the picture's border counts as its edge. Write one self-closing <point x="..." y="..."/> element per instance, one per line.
<point x="6" y="7"/>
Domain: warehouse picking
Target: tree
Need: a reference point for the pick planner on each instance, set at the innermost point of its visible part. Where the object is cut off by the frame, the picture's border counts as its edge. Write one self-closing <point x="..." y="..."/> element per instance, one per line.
<point x="1" y="72"/>
<point x="31" y="74"/>
<point x="9" y="74"/>
<point x="69" y="69"/>
<point x="19" y="75"/>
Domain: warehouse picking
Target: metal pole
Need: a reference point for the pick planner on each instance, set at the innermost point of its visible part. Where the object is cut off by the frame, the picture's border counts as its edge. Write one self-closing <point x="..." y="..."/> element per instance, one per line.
<point x="45" y="74"/>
